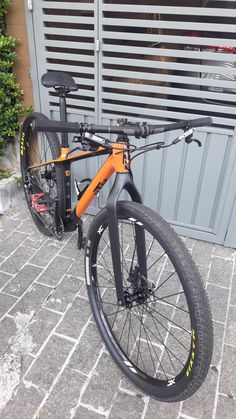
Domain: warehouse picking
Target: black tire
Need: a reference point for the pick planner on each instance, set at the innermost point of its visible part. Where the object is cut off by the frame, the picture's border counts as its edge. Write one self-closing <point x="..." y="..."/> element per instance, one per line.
<point x="163" y="338"/>
<point x="38" y="147"/>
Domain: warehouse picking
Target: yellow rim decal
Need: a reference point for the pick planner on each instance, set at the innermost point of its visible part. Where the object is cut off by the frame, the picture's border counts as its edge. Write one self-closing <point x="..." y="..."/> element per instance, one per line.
<point x="192" y="356"/>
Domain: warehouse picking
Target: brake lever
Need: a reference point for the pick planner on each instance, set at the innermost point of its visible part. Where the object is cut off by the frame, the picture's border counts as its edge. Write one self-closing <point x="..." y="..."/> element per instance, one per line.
<point x="190" y="139"/>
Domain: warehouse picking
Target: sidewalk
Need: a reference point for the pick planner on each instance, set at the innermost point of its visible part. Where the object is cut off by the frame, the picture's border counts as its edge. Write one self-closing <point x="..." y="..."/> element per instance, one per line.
<point x="53" y="363"/>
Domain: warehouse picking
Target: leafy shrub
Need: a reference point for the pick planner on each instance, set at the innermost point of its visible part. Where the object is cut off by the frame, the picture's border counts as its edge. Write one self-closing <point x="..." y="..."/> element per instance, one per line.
<point x="4" y="174"/>
<point x="11" y="106"/>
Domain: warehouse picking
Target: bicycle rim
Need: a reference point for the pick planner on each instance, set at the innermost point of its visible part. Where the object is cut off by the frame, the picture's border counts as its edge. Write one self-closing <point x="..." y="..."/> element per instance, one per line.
<point x="154" y="336"/>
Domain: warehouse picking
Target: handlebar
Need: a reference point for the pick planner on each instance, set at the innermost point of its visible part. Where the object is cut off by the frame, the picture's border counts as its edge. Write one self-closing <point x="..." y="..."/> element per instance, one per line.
<point x="142" y="130"/>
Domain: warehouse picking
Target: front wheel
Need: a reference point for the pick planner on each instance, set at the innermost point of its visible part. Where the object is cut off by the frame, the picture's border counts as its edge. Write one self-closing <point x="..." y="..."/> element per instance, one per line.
<point x="162" y="338"/>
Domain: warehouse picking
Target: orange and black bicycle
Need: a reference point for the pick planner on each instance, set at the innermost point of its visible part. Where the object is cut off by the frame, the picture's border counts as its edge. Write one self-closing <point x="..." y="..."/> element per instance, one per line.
<point x="145" y="291"/>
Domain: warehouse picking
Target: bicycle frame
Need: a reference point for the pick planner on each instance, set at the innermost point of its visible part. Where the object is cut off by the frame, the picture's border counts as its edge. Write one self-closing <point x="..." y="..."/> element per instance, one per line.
<point x="117" y="162"/>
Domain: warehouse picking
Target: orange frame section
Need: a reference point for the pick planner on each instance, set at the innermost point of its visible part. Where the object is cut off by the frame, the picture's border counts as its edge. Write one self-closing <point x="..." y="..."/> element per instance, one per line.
<point x="118" y="161"/>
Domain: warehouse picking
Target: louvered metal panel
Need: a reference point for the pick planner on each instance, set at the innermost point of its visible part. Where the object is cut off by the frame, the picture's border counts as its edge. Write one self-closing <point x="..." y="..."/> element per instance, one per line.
<point x="190" y="51"/>
<point x="152" y="60"/>
<point x="64" y="39"/>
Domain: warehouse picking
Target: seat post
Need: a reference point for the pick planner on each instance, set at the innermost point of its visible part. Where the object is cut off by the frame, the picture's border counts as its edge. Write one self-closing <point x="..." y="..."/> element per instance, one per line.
<point x="63" y="118"/>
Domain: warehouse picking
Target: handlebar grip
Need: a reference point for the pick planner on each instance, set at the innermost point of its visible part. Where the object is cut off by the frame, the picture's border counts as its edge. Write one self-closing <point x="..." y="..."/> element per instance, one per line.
<point x="57" y="126"/>
<point x="192" y="123"/>
<point x="200" y="122"/>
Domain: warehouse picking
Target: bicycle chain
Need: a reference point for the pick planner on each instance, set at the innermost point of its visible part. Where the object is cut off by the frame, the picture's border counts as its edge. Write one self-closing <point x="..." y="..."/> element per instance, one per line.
<point x="59" y="234"/>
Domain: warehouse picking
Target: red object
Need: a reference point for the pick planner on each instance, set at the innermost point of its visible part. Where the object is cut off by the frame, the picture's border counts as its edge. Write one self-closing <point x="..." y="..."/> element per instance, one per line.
<point x="37" y="206"/>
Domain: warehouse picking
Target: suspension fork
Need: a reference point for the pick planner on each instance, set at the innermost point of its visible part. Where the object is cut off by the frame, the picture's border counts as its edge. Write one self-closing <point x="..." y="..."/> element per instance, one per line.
<point x="124" y="181"/>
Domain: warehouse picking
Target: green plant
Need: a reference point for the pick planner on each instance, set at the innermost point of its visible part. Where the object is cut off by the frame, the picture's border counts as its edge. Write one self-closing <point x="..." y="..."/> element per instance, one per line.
<point x="11" y="106"/>
<point x="18" y="180"/>
<point x="4" y="174"/>
<point x="3" y="6"/>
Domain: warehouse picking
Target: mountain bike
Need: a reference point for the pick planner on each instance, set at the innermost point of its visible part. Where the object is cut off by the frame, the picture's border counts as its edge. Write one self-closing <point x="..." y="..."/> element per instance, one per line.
<point x="145" y="291"/>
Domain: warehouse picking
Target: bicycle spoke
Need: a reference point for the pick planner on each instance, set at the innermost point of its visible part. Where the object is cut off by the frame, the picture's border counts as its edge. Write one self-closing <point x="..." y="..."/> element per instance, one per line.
<point x="159" y="340"/>
<point x="168" y="303"/>
<point x="180" y="327"/>
<point x="149" y="250"/>
<point x="152" y="346"/>
<point x="156" y="261"/>
<point x="167" y="349"/>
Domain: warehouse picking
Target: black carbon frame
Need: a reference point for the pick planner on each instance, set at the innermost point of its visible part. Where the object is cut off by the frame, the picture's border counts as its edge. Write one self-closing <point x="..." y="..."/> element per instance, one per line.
<point x="124" y="181"/>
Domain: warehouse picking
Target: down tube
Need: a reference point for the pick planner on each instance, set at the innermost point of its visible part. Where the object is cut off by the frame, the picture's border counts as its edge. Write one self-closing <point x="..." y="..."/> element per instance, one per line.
<point x="124" y="181"/>
<point x="97" y="183"/>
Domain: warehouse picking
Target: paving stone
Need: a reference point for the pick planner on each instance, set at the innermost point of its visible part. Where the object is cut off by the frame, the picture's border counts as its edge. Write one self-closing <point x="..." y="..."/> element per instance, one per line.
<point x="87" y="351"/>
<point x="224" y="252"/>
<point x="233" y="291"/>
<point x="6" y="302"/>
<point x="18" y="258"/>
<point x="32" y="300"/>
<point x="127" y="406"/>
<point x="75" y="318"/>
<point x="19" y="284"/>
<point x="227" y="380"/>
<point x="48" y="364"/>
<point x="204" y="272"/>
<point x="55" y="271"/>
<point x="218" y="300"/>
<point x="226" y="407"/>
<point x="8" y="331"/>
<point x="46" y="253"/>
<point x="83" y="291"/>
<point x="4" y="278"/>
<point x="201" y="403"/>
<point x="230" y="337"/>
<point x="23" y="403"/>
<point x="218" y="342"/>
<point x="8" y="227"/>
<point x="64" y="396"/>
<point x="188" y="242"/>
<point x="64" y="293"/>
<point x="77" y="269"/>
<point x="71" y="250"/>
<point x="41" y="326"/>
<point x="221" y="272"/>
<point x="11" y="243"/>
<point x="127" y="385"/>
<point x="162" y="410"/>
<point x="202" y="252"/>
<point x="101" y="389"/>
<point x="103" y="384"/>
<point x="35" y="241"/>
<point x="83" y="413"/>
<point x="26" y="362"/>
<point x="27" y="225"/>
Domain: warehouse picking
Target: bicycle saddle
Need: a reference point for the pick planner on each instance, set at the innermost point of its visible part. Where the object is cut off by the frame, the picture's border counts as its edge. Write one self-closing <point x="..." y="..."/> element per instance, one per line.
<point x="58" y="79"/>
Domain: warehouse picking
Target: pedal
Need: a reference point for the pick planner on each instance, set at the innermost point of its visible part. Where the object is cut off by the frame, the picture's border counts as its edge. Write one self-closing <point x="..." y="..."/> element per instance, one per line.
<point x="37" y="203"/>
<point x="81" y="237"/>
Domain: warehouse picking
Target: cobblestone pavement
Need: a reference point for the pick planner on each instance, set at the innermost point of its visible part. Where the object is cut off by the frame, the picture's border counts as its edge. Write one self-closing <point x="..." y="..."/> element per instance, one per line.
<point x="53" y="363"/>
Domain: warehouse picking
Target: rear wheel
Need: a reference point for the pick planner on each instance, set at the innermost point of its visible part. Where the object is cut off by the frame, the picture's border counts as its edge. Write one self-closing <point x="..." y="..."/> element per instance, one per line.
<point x="44" y="186"/>
<point x="162" y="337"/>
